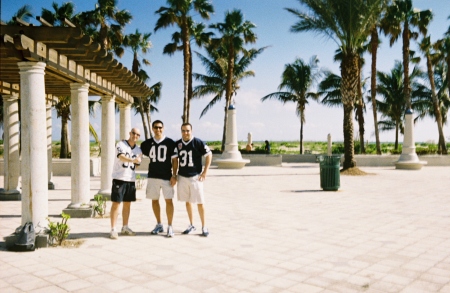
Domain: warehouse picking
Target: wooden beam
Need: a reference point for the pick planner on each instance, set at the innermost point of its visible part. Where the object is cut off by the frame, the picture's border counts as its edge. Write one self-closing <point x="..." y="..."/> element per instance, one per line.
<point x="43" y="21"/>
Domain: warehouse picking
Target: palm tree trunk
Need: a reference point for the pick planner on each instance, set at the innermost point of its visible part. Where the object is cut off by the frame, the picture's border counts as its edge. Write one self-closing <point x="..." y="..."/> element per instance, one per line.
<point x="349" y="75"/>
<point x="225" y="121"/>
<point x="373" y="86"/>
<point x="396" y="136"/>
<point x="228" y="91"/>
<point x="437" y="112"/>
<point x="187" y="69"/>
<point x="189" y="86"/>
<point x="149" y="120"/>
<point x="144" y="122"/>
<point x="360" y="114"/>
<point x="64" y="151"/>
<point x="405" y="49"/>
<point x="301" y="135"/>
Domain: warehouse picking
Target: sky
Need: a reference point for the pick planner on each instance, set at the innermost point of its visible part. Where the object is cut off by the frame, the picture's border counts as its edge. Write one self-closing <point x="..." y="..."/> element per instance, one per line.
<point x="269" y="120"/>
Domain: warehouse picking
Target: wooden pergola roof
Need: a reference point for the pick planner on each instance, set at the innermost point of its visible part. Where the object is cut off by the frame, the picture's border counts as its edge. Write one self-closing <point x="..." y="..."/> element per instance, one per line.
<point x="71" y="57"/>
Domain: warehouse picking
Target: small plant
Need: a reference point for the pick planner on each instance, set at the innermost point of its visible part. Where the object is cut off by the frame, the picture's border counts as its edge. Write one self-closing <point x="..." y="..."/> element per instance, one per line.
<point x="140" y="181"/>
<point x="100" y="205"/>
<point x="58" y="231"/>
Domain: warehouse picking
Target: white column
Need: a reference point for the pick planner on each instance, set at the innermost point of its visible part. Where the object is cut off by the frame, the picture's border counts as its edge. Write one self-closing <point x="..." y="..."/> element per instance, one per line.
<point x="108" y="144"/>
<point x="11" y="148"/>
<point x="34" y="143"/>
<point x="80" y="166"/>
<point x="48" y="105"/>
<point x="409" y="159"/>
<point x="125" y="120"/>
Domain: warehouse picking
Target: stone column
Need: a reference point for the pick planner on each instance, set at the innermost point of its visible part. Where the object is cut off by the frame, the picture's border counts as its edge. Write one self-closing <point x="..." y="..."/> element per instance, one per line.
<point x="125" y="120"/>
<point x="108" y="144"/>
<point x="51" y="186"/>
<point x="11" y="158"/>
<point x="80" y="166"/>
<point x="34" y="143"/>
<point x="409" y="159"/>
<point x="231" y="157"/>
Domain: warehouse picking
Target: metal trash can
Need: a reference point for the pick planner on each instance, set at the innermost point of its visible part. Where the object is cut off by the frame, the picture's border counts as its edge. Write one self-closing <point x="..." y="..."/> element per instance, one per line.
<point x="330" y="179"/>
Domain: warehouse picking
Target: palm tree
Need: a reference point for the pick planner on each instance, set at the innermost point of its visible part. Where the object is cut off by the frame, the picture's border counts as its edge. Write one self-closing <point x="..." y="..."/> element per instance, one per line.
<point x="62" y="107"/>
<point x="235" y="33"/>
<point x="330" y="91"/>
<point x="401" y="18"/>
<point x="139" y="42"/>
<point x="374" y="43"/>
<point x="105" y="25"/>
<point x="215" y="81"/>
<point x="431" y="59"/>
<point x="349" y="24"/>
<point x="296" y="80"/>
<point x="23" y="13"/>
<point x="56" y="18"/>
<point x="178" y="13"/>
<point x="393" y="106"/>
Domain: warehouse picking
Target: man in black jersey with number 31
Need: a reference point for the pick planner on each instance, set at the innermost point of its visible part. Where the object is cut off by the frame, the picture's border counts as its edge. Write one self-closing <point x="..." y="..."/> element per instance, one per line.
<point x="191" y="174"/>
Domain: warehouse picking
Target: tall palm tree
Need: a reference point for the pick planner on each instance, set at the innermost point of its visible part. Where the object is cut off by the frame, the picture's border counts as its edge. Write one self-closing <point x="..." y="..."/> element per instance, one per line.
<point x="235" y="32"/>
<point x="349" y="24"/>
<point x="402" y="18"/>
<point x="178" y="12"/>
<point x="105" y="24"/>
<point x="62" y="107"/>
<point x="214" y="82"/>
<point x="139" y="42"/>
<point x="393" y="106"/>
<point x="432" y="58"/>
<point x="296" y="81"/>
<point x="374" y="43"/>
<point x="56" y="17"/>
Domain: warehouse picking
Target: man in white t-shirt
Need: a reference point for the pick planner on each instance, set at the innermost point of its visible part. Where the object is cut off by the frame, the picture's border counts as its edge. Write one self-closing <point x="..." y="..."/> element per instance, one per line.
<point x="128" y="156"/>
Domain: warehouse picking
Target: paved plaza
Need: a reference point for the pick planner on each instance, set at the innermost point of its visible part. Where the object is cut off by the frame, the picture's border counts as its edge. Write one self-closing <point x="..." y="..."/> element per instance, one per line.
<point x="272" y="230"/>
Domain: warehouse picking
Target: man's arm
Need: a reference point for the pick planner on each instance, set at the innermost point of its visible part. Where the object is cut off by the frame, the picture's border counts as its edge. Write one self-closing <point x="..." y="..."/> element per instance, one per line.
<point x="208" y="160"/>
<point x="126" y="159"/>
<point x="173" y="179"/>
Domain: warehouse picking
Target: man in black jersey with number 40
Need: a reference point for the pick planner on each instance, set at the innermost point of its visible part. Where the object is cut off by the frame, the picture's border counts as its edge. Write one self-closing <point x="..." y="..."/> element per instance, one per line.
<point x="191" y="174"/>
<point x="162" y="172"/>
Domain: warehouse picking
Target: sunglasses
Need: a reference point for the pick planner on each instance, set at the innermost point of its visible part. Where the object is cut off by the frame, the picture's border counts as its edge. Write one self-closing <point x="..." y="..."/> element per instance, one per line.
<point x="135" y="133"/>
<point x="157" y="127"/>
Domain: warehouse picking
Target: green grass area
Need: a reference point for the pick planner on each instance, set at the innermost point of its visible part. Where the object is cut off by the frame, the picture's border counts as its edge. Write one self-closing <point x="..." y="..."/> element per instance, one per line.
<point x="286" y="147"/>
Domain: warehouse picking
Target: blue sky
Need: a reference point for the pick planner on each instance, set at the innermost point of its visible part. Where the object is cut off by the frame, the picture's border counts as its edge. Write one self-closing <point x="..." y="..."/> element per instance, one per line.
<point x="265" y="120"/>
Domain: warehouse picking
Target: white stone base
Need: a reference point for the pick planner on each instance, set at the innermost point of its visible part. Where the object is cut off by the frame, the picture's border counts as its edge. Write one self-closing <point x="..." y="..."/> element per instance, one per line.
<point x="409" y="165"/>
<point x="231" y="164"/>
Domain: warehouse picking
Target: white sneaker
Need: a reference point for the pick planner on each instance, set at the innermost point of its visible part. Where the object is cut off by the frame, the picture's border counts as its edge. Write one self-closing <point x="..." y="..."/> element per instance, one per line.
<point x="170" y="231"/>
<point x="189" y="229"/>
<point x="205" y="232"/>
<point x="159" y="228"/>
<point x="113" y="235"/>
<point x="127" y="231"/>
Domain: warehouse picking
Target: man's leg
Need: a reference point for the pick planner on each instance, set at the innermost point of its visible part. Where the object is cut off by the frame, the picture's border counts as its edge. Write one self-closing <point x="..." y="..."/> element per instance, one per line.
<point x="126" y="212"/>
<point x="114" y="213"/>
<point x="156" y="210"/>
<point x="201" y="212"/>
<point x="189" y="211"/>
<point x="169" y="211"/>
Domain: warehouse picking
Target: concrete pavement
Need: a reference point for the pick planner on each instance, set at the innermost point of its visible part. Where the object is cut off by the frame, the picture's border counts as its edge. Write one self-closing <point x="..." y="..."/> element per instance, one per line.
<point x="272" y="230"/>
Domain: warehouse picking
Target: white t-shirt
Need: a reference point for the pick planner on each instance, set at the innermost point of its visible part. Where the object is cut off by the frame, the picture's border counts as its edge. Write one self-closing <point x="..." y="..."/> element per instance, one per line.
<point x="125" y="170"/>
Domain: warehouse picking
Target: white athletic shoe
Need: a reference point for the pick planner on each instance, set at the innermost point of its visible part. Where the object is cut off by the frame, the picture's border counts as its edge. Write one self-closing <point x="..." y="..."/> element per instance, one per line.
<point x="170" y="232"/>
<point x="127" y="231"/>
<point x="114" y="235"/>
<point x="158" y="229"/>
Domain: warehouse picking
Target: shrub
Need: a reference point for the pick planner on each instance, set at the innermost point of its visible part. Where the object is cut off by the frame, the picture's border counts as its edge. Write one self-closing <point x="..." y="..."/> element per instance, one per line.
<point x="58" y="231"/>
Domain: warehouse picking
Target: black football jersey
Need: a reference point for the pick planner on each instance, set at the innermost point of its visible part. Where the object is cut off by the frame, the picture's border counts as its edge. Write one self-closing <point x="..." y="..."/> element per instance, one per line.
<point x="190" y="156"/>
<point x="160" y="154"/>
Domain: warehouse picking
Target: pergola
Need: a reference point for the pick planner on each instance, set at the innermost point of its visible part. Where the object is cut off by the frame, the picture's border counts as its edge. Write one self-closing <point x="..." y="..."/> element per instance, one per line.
<point x="37" y="64"/>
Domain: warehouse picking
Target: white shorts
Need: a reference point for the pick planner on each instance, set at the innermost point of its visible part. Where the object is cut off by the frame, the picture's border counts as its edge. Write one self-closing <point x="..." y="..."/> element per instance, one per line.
<point x="190" y="189"/>
<point x="154" y="187"/>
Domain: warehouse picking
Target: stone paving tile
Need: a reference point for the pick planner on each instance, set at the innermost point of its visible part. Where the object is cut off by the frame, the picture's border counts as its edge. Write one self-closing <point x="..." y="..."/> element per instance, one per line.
<point x="373" y="235"/>
<point x="52" y="289"/>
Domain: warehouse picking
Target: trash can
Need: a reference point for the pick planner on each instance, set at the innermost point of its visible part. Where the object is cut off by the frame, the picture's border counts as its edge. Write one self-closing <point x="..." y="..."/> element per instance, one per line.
<point x="330" y="179"/>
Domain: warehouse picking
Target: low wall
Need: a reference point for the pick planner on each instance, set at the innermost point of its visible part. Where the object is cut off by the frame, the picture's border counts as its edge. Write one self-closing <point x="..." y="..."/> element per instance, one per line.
<point x="62" y="167"/>
<point x="372" y="160"/>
